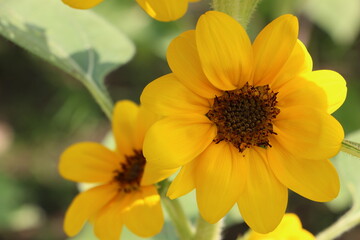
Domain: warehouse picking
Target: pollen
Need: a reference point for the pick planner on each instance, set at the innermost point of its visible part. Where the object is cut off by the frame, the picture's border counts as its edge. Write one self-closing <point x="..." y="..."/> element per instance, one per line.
<point x="130" y="173"/>
<point x="244" y="117"/>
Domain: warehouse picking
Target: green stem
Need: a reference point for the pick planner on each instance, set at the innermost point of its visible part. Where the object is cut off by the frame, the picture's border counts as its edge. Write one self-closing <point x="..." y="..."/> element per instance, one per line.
<point x="241" y="10"/>
<point x="101" y="97"/>
<point x="178" y="217"/>
<point x="175" y="212"/>
<point x="207" y="231"/>
<point x="351" y="148"/>
<point x="348" y="221"/>
<point x="345" y="223"/>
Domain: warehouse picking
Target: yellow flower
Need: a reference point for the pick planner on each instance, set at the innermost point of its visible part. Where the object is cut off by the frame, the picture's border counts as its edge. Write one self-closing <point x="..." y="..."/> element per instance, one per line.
<point x="125" y="194"/>
<point x="161" y="10"/>
<point x="289" y="229"/>
<point x="245" y="121"/>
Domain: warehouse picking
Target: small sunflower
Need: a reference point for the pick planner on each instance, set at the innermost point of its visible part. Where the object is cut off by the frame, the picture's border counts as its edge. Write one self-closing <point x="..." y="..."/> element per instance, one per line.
<point x="161" y="10"/>
<point x="245" y="121"/>
<point x="125" y="194"/>
<point x="290" y="228"/>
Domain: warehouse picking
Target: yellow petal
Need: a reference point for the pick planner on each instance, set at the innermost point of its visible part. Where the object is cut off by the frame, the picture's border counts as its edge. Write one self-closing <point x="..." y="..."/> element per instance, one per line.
<point x="145" y="217"/>
<point x="301" y="92"/>
<point x="263" y="202"/>
<point x="273" y="46"/>
<point x="164" y="10"/>
<point x="289" y="228"/>
<point x="88" y="162"/>
<point x="299" y="62"/>
<point x="154" y="173"/>
<point x="167" y="96"/>
<point x="315" y="180"/>
<point x="109" y="222"/>
<point x="220" y="178"/>
<point x="176" y="140"/>
<point x="224" y="50"/>
<point x="183" y="59"/>
<point x="333" y="84"/>
<point x="85" y="205"/>
<point x="124" y="126"/>
<point x="184" y="182"/>
<point x="308" y="133"/>
<point x="145" y="119"/>
<point x="82" y="4"/>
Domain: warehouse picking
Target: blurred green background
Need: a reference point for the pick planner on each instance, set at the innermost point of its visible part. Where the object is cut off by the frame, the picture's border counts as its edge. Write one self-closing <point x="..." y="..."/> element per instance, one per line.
<point x="43" y="110"/>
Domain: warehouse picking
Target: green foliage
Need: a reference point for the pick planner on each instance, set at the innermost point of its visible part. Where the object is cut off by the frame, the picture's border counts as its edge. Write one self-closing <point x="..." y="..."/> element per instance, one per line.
<point x="11" y="198"/>
<point x="339" y="18"/>
<point x="78" y="42"/>
<point x="348" y="168"/>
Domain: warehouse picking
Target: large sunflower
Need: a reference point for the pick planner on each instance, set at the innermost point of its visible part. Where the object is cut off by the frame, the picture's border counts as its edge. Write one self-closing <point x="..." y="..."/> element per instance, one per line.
<point x="245" y="121"/>
<point x="161" y="10"/>
<point x="125" y="194"/>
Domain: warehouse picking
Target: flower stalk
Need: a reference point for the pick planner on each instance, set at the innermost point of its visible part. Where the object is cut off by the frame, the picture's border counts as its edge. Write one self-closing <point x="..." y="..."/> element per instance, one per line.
<point x="176" y="213"/>
<point x="178" y="218"/>
<point x="207" y="231"/>
<point x="346" y="222"/>
<point x="350" y="147"/>
<point x="241" y="10"/>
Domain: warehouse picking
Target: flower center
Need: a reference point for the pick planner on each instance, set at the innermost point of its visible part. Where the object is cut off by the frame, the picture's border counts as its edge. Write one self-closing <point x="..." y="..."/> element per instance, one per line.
<point x="131" y="172"/>
<point x="244" y="116"/>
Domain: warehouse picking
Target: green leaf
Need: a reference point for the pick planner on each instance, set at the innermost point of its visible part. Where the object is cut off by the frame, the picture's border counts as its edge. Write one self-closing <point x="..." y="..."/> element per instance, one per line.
<point x="348" y="167"/>
<point x="79" y="42"/>
<point x="339" y="18"/>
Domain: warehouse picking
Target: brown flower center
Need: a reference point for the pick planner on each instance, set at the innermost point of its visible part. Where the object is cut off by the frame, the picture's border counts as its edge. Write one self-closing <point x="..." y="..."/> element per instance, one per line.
<point x="131" y="171"/>
<point x="244" y="116"/>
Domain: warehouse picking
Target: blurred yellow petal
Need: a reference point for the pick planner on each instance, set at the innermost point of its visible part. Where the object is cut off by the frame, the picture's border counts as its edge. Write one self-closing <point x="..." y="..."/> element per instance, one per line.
<point x="88" y="162"/>
<point x="184" y="182"/>
<point x="154" y="174"/>
<point x="144" y="121"/>
<point x="166" y="96"/>
<point x="315" y="180"/>
<point x="144" y="217"/>
<point x="224" y="50"/>
<point x="82" y="4"/>
<point x="333" y="84"/>
<point x="299" y="62"/>
<point x="220" y="178"/>
<point x="87" y="204"/>
<point x="124" y="126"/>
<point x="176" y="140"/>
<point x="263" y="202"/>
<point x="109" y="222"/>
<point x="308" y="133"/>
<point x="164" y="10"/>
<point x="289" y="228"/>
<point x="183" y="59"/>
<point x="273" y="47"/>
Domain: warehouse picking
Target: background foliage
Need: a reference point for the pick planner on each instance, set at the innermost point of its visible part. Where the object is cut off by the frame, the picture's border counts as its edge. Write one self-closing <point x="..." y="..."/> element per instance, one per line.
<point x="44" y="109"/>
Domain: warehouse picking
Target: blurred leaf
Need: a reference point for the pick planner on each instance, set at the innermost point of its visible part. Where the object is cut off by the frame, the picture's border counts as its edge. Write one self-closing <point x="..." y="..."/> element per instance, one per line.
<point x="12" y="196"/>
<point x="339" y="18"/>
<point x="348" y="168"/>
<point x="79" y="42"/>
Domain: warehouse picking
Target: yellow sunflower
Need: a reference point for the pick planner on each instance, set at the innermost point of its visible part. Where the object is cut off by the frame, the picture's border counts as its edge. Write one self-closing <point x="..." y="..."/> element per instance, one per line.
<point x="290" y="228"/>
<point x="245" y="121"/>
<point x="125" y="194"/>
<point x="161" y="10"/>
